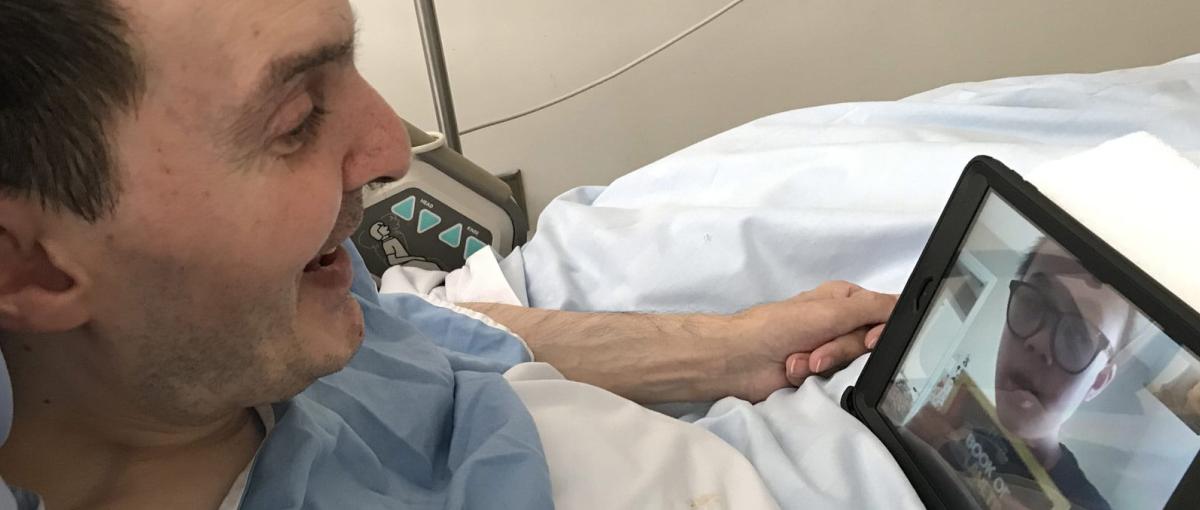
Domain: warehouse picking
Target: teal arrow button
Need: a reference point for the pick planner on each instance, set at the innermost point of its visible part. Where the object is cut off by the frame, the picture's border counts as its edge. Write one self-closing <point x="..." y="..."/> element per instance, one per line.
<point x="473" y="245"/>
<point x="405" y="208"/>
<point x="427" y="221"/>
<point x="452" y="236"/>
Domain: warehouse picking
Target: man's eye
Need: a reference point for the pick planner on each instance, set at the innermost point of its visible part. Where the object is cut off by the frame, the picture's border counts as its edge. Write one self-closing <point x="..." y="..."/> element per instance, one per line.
<point x="305" y="132"/>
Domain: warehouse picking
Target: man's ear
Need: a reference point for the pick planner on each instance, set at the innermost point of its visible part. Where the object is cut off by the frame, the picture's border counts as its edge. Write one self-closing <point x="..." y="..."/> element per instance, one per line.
<point x="1102" y="380"/>
<point x="37" y="293"/>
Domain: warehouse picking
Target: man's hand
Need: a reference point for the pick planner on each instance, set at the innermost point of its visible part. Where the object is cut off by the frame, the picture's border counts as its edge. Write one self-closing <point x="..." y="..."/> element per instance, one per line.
<point x="670" y="358"/>
<point x="816" y="332"/>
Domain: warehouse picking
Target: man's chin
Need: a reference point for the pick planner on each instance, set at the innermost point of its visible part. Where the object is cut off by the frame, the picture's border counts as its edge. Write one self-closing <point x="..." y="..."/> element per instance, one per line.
<point x="333" y="342"/>
<point x="1019" y="411"/>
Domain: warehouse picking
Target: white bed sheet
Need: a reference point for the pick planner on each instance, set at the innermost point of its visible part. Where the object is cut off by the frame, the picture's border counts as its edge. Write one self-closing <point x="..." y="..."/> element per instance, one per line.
<point x="845" y="191"/>
<point x="849" y="191"/>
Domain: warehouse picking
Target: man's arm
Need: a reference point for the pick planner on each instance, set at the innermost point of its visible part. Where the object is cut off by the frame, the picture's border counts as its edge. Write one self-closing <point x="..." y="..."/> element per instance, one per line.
<point x="646" y="358"/>
<point x="663" y="358"/>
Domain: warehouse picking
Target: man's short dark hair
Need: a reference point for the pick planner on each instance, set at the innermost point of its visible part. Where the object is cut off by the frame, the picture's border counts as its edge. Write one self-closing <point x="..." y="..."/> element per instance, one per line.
<point x="1131" y="326"/>
<point x="66" y="69"/>
<point x="1027" y="260"/>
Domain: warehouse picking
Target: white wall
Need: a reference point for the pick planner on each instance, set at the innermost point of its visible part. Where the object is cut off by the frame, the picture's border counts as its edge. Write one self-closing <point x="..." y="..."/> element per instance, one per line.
<point x="763" y="57"/>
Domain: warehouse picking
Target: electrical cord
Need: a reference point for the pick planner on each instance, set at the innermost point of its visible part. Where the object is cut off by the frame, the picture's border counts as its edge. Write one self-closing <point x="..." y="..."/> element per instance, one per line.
<point x="609" y="76"/>
<point x="439" y="141"/>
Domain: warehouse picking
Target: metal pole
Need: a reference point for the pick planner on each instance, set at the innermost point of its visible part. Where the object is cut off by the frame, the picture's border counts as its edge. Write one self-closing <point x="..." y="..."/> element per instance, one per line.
<point x="439" y="80"/>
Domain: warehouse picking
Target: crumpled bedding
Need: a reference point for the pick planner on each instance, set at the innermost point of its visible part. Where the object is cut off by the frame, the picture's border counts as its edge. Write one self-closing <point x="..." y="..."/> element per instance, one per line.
<point x="784" y="203"/>
<point x="849" y="191"/>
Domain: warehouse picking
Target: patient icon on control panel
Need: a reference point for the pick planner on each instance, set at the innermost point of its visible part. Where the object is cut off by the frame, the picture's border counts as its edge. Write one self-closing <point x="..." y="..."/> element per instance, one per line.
<point x="394" y="249"/>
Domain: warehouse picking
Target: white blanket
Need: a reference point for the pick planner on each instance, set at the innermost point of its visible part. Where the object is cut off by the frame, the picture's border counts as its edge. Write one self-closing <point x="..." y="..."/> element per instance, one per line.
<point x="607" y="452"/>
<point x="848" y="191"/>
<point x="807" y="449"/>
<point x="784" y="203"/>
<point x="851" y="192"/>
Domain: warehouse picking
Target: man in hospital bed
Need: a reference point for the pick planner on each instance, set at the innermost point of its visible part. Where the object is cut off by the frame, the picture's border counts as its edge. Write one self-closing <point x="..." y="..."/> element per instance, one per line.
<point x="176" y="185"/>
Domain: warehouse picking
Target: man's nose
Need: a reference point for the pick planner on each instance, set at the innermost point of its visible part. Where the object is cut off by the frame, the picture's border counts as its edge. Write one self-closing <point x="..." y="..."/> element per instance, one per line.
<point x="1041" y="344"/>
<point x="381" y="150"/>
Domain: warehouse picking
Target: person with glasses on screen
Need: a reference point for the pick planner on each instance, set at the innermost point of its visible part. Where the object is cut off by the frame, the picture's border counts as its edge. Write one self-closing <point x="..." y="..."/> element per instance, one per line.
<point x="1062" y="333"/>
<point x="1058" y="349"/>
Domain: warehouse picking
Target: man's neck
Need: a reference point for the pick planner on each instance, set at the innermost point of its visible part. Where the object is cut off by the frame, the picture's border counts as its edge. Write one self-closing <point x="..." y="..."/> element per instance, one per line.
<point x="80" y="444"/>
<point x="71" y="466"/>
<point x="1047" y="450"/>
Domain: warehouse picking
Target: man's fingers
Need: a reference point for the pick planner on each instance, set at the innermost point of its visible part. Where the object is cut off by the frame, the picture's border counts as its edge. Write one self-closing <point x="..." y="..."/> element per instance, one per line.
<point x="830" y="290"/>
<point x="872" y="338"/>
<point x="837" y="354"/>
<point x="797" y="368"/>
<point x="830" y="357"/>
<point x="864" y="308"/>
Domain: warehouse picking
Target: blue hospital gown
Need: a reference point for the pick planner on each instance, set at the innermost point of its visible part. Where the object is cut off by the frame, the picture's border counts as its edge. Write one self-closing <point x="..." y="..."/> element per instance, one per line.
<point x="422" y="418"/>
<point x="408" y="423"/>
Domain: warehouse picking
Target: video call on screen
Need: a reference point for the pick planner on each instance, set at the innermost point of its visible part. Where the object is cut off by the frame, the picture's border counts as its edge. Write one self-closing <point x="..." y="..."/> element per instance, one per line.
<point x="1032" y="384"/>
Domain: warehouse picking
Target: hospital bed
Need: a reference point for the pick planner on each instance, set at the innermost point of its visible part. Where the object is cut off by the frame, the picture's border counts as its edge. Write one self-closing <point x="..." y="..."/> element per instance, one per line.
<point x="444" y="210"/>
<point x="847" y="191"/>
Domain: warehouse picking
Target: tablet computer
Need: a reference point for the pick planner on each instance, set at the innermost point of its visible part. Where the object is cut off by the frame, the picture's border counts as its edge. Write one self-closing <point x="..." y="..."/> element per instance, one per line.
<point x="1028" y="364"/>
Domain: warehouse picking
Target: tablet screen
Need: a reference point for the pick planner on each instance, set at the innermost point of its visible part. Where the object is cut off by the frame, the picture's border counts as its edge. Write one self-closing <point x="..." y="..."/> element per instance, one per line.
<point x="1036" y="385"/>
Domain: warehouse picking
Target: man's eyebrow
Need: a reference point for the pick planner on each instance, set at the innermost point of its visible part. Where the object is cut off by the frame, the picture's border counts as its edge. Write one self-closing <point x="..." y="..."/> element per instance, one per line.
<point x="283" y="70"/>
<point x="1062" y="298"/>
<point x="280" y="72"/>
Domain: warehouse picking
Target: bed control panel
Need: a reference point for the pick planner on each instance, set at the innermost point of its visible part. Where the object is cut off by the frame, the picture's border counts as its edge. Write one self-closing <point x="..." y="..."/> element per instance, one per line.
<point x="412" y="228"/>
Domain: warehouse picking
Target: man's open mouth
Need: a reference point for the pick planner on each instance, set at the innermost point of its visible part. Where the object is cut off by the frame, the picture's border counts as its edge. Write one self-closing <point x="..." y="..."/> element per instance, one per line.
<point x="350" y="215"/>
<point x="323" y="259"/>
<point x="330" y="269"/>
<point x="332" y="258"/>
<point x="1021" y="381"/>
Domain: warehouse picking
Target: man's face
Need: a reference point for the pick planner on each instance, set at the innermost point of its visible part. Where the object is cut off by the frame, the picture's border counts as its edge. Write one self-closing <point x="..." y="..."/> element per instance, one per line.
<point x="208" y="291"/>
<point x="1034" y="394"/>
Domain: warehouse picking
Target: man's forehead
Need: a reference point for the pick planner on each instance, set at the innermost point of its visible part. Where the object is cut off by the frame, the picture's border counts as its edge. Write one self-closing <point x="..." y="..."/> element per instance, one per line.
<point x="232" y="43"/>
